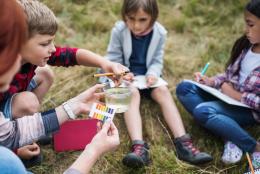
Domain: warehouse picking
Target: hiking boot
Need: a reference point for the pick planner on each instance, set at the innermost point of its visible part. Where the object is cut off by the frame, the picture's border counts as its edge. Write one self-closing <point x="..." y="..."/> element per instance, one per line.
<point x="187" y="152"/>
<point x="139" y="156"/>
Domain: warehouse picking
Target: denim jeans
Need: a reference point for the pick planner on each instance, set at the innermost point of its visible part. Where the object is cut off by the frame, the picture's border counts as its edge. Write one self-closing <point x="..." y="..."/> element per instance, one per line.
<point x="222" y="119"/>
<point x="10" y="163"/>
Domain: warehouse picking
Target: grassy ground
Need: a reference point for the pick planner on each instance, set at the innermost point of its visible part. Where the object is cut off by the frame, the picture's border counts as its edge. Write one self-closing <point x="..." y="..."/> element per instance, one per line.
<point x="198" y="31"/>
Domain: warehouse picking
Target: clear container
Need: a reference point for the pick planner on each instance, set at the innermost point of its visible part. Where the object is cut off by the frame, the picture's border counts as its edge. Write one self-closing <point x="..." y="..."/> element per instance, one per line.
<point x="118" y="98"/>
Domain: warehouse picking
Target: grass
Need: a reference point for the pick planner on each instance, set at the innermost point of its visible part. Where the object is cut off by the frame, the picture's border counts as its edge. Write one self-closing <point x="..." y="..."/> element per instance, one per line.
<point x="198" y="31"/>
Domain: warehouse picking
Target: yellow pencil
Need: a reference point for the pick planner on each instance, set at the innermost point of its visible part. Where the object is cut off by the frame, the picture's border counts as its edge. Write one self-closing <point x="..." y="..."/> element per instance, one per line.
<point x="109" y="74"/>
<point x="250" y="164"/>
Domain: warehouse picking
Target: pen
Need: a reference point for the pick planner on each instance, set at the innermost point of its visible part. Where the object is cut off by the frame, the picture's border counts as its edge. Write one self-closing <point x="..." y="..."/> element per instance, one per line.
<point x="205" y="69"/>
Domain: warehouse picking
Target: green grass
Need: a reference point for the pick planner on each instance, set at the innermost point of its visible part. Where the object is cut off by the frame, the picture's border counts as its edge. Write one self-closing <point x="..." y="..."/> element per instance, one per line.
<point x="198" y="31"/>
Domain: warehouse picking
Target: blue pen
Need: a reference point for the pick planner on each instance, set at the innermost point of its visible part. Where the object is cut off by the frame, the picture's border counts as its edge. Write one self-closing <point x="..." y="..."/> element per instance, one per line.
<point x="205" y="69"/>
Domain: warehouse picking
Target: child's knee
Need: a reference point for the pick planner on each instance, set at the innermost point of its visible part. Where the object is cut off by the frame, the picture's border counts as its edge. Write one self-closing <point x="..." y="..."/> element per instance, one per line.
<point x="46" y="74"/>
<point x="135" y="93"/>
<point x="26" y="102"/>
<point x="202" y="113"/>
<point x="162" y="90"/>
<point x="183" y="88"/>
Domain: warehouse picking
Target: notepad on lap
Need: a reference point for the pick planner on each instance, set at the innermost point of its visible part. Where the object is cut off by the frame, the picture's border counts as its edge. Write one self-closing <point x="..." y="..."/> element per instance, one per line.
<point x="218" y="94"/>
<point x="140" y="82"/>
<point x="75" y="135"/>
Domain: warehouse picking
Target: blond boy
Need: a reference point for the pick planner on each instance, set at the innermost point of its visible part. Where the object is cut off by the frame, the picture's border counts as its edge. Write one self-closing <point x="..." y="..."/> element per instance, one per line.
<point x="34" y="79"/>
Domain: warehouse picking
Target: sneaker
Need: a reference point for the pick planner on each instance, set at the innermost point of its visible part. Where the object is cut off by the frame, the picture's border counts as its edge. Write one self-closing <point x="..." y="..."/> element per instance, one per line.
<point x="232" y="154"/>
<point x="139" y="156"/>
<point x="187" y="152"/>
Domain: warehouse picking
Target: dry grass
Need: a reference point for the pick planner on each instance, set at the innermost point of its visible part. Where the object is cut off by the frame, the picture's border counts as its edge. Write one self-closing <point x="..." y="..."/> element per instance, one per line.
<point x="197" y="33"/>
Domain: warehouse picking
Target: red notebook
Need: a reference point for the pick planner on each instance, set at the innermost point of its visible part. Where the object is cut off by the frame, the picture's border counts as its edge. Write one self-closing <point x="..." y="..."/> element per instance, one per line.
<point x="75" y="135"/>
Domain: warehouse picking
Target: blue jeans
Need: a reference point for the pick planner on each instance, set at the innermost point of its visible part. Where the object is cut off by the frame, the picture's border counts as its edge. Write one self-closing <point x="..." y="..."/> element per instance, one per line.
<point x="219" y="117"/>
<point x="10" y="163"/>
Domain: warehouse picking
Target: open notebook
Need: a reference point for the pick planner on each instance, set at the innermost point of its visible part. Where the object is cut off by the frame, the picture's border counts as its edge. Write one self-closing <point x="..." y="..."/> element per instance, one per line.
<point x="218" y="94"/>
<point x="75" y="135"/>
<point x="140" y="82"/>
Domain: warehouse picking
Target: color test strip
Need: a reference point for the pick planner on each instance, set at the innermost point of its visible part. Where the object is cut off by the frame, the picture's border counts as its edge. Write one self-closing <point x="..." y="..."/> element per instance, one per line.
<point x="102" y="112"/>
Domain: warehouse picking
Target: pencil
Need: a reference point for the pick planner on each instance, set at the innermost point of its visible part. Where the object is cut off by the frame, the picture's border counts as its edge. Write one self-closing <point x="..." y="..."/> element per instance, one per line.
<point x="109" y="74"/>
<point x="250" y="164"/>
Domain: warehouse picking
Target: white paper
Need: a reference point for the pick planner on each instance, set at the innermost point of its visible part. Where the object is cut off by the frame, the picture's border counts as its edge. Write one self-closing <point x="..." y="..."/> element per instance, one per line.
<point x="218" y="94"/>
<point x="140" y="82"/>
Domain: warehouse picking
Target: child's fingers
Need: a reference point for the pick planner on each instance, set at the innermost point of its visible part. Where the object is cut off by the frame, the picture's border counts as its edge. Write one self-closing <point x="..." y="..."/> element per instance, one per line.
<point x="35" y="152"/>
<point x="100" y="95"/>
<point x="197" y="76"/>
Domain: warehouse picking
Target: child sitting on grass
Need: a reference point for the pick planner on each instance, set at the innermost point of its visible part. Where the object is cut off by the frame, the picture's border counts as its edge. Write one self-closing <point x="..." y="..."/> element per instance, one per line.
<point x="34" y="79"/>
<point x="138" y="43"/>
<point x="240" y="81"/>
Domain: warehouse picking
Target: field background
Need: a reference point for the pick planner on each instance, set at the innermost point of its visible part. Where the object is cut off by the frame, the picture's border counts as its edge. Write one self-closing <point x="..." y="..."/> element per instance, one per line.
<point x="198" y="31"/>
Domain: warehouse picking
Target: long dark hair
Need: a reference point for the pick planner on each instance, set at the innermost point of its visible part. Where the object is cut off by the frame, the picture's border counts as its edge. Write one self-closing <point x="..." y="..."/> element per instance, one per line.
<point x="243" y="43"/>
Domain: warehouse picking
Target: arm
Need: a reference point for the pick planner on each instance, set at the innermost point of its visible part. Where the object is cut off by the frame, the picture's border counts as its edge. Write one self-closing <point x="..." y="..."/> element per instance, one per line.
<point x="155" y="69"/>
<point x="88" y="58"/>
<point x="115" y="47"/>
<point x="25" y="130"/>
<point x="249" y="98"/>
<point x="106" y="140"/>
<point x="63" y="56"/>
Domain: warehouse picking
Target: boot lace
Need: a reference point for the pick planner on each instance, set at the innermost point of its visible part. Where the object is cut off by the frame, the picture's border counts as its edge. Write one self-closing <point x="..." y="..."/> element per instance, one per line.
<point x="138" y="149"/>
<point x="190" y="146"/>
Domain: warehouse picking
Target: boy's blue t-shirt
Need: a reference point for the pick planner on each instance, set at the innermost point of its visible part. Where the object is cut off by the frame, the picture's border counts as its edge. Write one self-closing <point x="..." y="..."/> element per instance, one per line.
<point x="139" y="52"/>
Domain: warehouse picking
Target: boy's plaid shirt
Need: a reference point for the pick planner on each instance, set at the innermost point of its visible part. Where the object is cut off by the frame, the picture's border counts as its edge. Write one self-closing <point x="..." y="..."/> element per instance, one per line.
<point x="250" y="89"/>
<point x="62" y="57"/>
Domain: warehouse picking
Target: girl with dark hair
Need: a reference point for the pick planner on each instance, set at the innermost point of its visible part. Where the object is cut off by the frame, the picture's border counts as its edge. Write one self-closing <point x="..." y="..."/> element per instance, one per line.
<point x="241" y="81"/>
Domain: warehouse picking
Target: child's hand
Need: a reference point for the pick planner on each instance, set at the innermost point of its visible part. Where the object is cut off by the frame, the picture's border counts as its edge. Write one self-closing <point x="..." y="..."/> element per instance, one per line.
<point x="105" y="140"/>
<point x="116" y="68"/>
<point x="113" y="67"/>
<point x="151" y="80"/>
<point x="203" y="79"/>
<point x="129" y="77"/>
<point x="28" y="151"/>
<point x="82" y="103"/>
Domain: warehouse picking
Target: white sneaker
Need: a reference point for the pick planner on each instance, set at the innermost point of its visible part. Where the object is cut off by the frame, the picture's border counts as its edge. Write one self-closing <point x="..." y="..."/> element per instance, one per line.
<point x="232" y="154"/>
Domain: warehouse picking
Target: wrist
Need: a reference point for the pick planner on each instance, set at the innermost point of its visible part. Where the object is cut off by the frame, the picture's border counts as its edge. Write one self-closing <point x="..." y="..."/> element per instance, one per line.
<point x="92" y="151"/>
<point x="71" y="108"/>
<point x="104" y="64"/>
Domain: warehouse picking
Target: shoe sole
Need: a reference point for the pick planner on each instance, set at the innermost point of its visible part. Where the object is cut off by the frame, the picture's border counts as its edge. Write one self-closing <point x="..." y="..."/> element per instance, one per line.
<point x="134" y="162"/>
